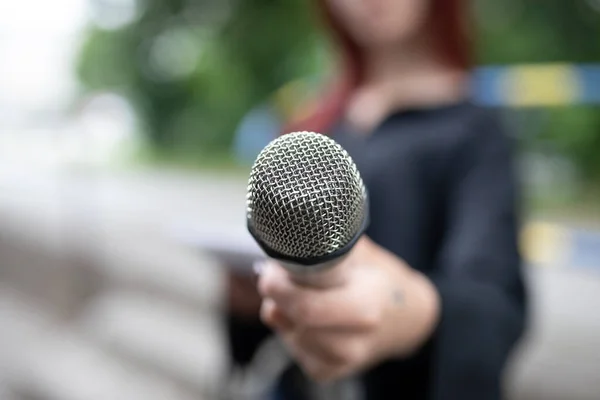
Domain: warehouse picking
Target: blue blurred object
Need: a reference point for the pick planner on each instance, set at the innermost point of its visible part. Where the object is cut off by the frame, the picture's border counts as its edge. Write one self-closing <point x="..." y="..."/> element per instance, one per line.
<point x="550" y="245"/>
<point x="484" y="85"/>
<point x="590" y="77"/>
<point x="537" y="85"/>
<point x="585" y="249"/>
<point x="256" y="130"/>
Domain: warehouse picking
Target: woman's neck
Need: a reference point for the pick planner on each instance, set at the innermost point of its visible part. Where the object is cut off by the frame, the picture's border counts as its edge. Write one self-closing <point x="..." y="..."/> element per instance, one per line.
<point x="406" y="76"/>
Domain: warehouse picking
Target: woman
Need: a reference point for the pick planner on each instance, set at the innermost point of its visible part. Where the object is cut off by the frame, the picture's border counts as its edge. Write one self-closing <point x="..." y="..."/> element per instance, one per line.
<point x="433" y="299"/>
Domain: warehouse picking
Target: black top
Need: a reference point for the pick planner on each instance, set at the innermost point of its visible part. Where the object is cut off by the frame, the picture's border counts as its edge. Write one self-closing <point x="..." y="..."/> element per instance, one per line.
<point x="442" y="195"/>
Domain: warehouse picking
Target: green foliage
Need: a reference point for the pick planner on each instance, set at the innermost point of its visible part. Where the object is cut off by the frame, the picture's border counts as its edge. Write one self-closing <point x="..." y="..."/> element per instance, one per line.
<point x="519" y="31"/>
<point x="193" y="68"/>
<point x="523" y="31"/>
<point x="190" y="79"/>
<point x="575" y="133"/>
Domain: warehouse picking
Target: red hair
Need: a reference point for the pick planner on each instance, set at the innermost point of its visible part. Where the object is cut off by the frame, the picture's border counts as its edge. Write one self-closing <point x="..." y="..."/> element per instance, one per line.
<point x="445" y="22"/>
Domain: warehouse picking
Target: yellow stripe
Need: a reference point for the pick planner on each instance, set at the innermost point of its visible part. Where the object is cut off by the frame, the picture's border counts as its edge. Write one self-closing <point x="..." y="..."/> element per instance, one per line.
<point x="540" y="85"/>
<point x="291" y="96"/>
<point x="545" y="244"/>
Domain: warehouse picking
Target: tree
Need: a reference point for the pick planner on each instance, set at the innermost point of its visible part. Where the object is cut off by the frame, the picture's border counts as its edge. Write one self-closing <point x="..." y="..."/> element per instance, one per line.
<point x="192" y="69"/>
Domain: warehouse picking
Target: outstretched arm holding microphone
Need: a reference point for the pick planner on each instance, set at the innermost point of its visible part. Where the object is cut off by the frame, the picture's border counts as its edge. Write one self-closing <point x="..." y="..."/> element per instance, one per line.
<point x="347" y="306"/>
<point x="379" y="308"/>
<point x="339" y="301"/>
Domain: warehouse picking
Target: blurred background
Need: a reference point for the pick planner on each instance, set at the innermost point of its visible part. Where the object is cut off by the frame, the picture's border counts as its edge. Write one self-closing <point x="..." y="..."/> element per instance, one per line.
<point x="125" y="122"/>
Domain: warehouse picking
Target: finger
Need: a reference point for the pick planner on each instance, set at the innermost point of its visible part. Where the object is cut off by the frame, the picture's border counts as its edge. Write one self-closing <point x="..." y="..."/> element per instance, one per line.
<point x="344" y="307"/>
<point x="273" y="317"/>
<point x="334" y="347"/>
<point x="277" y="284"/>
<point x="304" y="344"/>
<point x="320" y="370"/>
<point x="274" y="281"/>
<point x="335" y="310"/>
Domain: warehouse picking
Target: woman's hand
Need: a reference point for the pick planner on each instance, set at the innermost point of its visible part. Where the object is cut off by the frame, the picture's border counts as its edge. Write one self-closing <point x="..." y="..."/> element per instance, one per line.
<point x="374" y="308"/>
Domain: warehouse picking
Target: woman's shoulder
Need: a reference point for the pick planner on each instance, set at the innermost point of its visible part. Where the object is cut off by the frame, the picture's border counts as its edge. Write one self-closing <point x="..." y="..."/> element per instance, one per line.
<point x="458" y="126"/>
<point x="474" y="116"/>
<point x="485" y="138"/>
<point x="481" y="124"/>
<point x="467" y="133"/>
<point x="463" y="120"/>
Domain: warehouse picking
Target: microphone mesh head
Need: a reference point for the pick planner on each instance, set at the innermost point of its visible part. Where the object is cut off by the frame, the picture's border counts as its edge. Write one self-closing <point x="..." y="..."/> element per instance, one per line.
<point x="305" y="198"/>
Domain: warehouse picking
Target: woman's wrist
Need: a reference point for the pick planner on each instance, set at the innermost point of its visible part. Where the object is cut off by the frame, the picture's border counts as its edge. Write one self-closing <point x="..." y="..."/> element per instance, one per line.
<point x="428" y="310"/>
<point x="413" y="315"/>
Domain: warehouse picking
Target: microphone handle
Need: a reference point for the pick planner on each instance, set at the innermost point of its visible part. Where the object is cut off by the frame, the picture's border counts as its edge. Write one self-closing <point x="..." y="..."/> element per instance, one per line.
<point x="321" y="276"/>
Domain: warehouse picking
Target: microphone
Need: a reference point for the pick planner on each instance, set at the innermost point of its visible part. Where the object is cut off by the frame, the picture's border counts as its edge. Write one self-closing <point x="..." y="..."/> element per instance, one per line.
<point x="307" y="205"/>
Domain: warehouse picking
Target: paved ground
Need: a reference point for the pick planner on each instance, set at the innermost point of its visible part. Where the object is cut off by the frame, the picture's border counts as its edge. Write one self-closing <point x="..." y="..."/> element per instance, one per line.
<point x="97" y="301"/>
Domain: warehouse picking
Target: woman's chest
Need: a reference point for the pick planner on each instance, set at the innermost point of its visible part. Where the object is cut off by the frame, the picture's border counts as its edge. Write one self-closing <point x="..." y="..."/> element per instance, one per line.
<point x="406" y="176"/>
<point x="410" y="166"/>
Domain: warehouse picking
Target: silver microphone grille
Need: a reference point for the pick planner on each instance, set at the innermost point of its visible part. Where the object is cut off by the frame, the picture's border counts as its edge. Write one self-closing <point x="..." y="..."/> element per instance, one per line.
<point x="306" y="198"/>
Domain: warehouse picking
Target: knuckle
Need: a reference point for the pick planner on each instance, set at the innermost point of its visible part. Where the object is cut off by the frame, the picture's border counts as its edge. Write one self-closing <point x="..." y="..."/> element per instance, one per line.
<point x="266" y="313"/>
<point x="269" y="286"/>
<point x="263" y="285"/>
<point x="369" y="319"/>
<point x="370" y="322"/>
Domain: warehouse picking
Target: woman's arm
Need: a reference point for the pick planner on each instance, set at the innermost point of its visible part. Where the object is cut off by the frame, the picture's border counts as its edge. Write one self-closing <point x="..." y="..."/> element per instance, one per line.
<point x="480" y="283"/>
<point x="378" y="308"/>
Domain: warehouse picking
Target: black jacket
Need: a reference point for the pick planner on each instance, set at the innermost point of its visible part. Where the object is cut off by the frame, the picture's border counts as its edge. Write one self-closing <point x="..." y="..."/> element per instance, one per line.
<point x="443" y="197"/>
